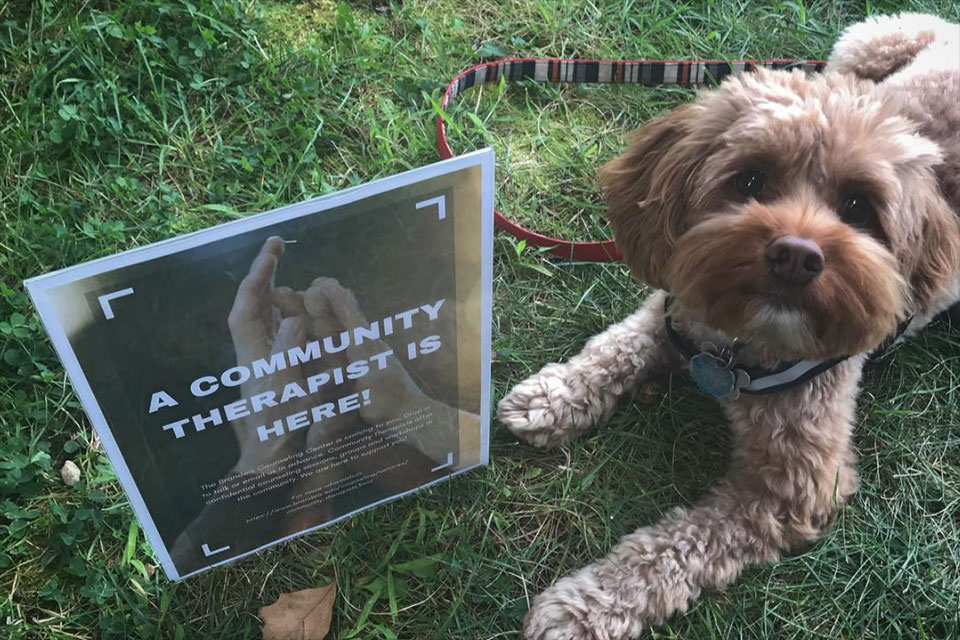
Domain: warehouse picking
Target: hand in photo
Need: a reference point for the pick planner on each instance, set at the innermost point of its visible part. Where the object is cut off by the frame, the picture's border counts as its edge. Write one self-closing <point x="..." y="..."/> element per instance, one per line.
<point x="265" y="321"/>
<point x="396" y="394"/>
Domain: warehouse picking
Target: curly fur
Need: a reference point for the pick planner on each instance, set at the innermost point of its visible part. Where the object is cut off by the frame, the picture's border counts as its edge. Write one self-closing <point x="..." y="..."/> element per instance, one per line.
<point x="883" y="121"/>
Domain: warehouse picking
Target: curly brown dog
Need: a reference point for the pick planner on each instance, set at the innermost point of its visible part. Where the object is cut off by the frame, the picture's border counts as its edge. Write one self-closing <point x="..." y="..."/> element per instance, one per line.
<point x="793" y="224"/>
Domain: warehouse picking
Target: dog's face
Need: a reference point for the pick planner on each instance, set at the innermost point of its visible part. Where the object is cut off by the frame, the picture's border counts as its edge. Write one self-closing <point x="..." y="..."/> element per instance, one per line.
<point x="798" y="211"/>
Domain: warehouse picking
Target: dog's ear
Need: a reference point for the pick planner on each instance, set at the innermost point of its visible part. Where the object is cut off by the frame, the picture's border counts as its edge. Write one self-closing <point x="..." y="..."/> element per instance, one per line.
<point x="646" y="191"/>
<point x="938" y="258"/>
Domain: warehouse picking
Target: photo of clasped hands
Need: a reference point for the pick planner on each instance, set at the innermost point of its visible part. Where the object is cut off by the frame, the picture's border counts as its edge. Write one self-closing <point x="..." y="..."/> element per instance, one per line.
<point x="267" y="319"/>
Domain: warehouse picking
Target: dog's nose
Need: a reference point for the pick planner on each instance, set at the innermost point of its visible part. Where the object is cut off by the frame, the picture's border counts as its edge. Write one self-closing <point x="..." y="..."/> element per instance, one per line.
<point x="793" y="260"/>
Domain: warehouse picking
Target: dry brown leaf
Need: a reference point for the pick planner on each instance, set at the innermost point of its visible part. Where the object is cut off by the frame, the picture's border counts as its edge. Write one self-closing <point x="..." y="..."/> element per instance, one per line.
<point x="649" y="393"/>
<point x="301" y="615"/>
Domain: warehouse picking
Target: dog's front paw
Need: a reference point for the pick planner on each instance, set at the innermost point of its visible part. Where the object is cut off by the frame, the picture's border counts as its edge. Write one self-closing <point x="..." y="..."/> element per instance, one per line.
<point x="546" y="410"/>
<point x="562" y="612"/>
<point x="548" y="626"/>
<point x="553" y="621"/>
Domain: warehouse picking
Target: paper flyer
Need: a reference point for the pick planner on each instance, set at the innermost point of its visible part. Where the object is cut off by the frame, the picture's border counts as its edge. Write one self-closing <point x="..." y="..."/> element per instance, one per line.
<point x="259" y="379"/>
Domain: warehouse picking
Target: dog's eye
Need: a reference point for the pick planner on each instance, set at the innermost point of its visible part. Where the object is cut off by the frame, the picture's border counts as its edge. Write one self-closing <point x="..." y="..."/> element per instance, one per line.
<point x="857" y="211"/>
<point x="749" y="183"/>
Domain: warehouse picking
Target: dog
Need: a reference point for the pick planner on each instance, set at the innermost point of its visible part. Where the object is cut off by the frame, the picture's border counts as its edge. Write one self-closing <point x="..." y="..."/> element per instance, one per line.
<point x="790" y="225"/>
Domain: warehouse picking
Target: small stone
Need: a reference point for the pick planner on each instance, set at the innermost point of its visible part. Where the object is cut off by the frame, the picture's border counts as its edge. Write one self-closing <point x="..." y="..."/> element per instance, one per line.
<point x="70" y="473"/>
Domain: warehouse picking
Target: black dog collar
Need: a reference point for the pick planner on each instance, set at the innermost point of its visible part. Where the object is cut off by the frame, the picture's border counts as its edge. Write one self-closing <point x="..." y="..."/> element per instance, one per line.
<point x="717" y="372"/>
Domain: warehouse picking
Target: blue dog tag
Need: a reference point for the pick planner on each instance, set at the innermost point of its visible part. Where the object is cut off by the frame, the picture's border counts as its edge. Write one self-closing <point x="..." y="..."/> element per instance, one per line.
<point x="715" y="378"/>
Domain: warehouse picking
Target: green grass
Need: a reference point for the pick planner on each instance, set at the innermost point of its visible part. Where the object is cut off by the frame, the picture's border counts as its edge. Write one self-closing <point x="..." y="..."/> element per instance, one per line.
<point x="123" y="123"/>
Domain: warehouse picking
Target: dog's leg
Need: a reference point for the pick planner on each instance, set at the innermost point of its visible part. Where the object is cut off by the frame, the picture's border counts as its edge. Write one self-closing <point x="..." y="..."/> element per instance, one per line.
<point x="566" y="400"/>
<point x="793" y="466"/>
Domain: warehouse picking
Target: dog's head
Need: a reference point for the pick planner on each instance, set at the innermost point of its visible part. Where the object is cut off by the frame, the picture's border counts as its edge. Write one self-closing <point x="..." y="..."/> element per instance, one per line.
<point x="799" y="211"/>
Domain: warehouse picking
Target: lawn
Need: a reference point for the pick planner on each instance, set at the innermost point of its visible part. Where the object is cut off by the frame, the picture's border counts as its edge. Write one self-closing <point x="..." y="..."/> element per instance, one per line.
<point x="127" y="122"/>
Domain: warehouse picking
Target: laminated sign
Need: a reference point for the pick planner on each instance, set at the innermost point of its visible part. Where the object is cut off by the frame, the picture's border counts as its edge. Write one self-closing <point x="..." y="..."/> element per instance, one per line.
<point x="259" y="379"/>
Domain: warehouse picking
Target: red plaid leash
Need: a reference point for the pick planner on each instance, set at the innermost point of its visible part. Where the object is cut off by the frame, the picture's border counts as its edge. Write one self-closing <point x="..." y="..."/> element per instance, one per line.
<point x="557" y="70"/>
